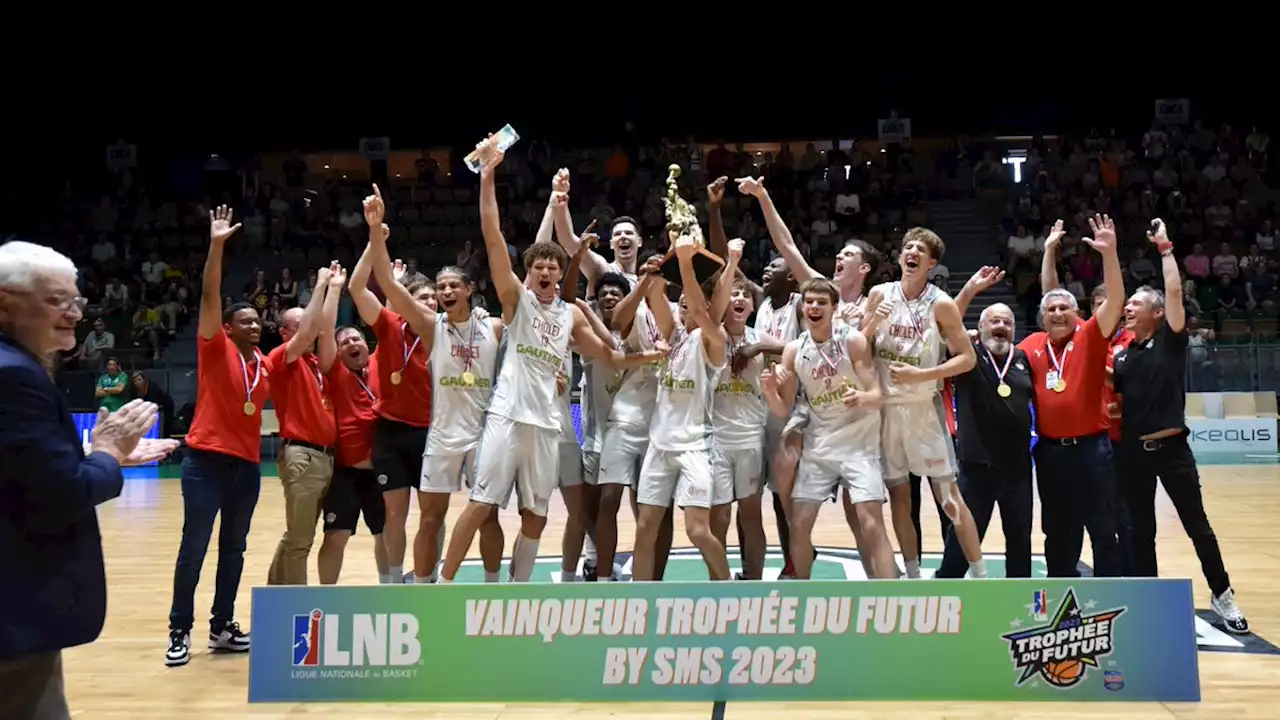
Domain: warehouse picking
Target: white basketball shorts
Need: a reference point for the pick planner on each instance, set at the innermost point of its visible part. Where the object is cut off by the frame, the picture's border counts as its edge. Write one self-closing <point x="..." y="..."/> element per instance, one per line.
<point x="736" y="474"/>
<point x="914" y="441"/>
<point x="516" y="456"/>
<point x="684" y="476"/>
<point x="447" y="473"/>
<point x="817" y="479"/>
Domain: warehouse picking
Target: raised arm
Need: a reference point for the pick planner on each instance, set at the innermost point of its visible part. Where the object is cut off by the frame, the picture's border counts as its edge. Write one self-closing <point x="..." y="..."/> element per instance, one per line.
<point x="1175" y="312"/>
<point x="778" y="231"/>
<point x="593" y="265"/>
<point x="1049" y="263"/>
<point x="504" y="278"/>
<point x="624" y="313"/>
<point x="724" y="285"/>
<point x="985" y="279"/>
<point x="326" y="343"/>
<point x="593" y="347"/>
<point x="309" y="324"/>
<point x="696" y="302"/>
<point x="660" y="306"/>
<point x="597" y="325"/>
<point x="569" y="283"/>
<point x="1104" y="241"/>
<point x="718" y="240"/>
<point x="220" y="228"/>
<point x="367" y="304"/>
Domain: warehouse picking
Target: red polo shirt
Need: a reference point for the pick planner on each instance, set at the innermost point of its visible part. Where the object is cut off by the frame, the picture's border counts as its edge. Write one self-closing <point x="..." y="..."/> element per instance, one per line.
<point x="220" y="424"/>
<point x="1118" y="342"/>
<point x="1073" y="412"/>
<point x="299" y="392"/>
<point x="410" y="401"/>
<point x="353" y="409"/>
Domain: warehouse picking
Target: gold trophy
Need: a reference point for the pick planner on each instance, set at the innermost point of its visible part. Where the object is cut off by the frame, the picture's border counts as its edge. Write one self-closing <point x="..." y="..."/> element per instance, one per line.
<point x="682" y="219"/>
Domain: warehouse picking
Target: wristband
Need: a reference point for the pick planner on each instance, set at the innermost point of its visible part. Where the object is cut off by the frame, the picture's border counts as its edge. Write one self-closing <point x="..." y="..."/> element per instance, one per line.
<point x="1164" y="247"/>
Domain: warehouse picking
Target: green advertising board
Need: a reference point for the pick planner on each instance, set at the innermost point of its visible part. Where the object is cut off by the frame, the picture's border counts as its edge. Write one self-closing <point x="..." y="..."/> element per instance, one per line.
<point x="820" y="640"/>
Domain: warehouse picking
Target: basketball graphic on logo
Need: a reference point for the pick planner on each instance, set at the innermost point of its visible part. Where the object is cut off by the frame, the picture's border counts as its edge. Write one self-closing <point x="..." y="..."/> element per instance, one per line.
<point x="1065" y="673"/>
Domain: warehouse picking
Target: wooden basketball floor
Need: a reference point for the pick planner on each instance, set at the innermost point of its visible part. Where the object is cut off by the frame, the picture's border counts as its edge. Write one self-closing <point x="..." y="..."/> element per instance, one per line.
<point x="122" y="675"/>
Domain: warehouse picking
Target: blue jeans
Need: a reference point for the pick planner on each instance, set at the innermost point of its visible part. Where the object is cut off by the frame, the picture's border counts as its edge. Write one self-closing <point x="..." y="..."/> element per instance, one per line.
<point x="212" y="483"/>
<point x="1077" y="483"/>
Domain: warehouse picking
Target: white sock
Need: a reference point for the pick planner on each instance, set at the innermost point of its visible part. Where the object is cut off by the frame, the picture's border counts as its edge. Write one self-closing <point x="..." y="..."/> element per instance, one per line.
<point x="442" y="581"/>
<point x="589" y="550"/>
<point x="423" y="580"/>
<point x="913" y="567"/>
<point x="978" y="569"/>
<point x="396" y="573"/>
<point x="568" y="576"/>
<point x="410" y="579"/>
<point x="489" y="577"/>
<point x="522" y="558"/>
<point x="384" y="579"/>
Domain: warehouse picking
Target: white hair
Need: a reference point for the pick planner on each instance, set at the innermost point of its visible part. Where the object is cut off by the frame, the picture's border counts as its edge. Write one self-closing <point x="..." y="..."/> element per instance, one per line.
<point x="986" y="311"/>
<point x="1059" y="293"/>
<point x="21" y="263"/>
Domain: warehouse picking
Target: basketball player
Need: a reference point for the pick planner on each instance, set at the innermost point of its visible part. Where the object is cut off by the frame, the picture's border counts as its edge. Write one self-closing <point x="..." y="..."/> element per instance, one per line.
<point x="404" y="385"/>
<point x="1119" y="340"/>
<point x="354" y="491"/>
<point x="307" y="428"/>
<point x="921" y="321"/>
<point x="463" y="352"/>
<point x="220" y="473"/>
<point x="599" y="386"/>
<point x="677" y="464"/>
<point x="518" y="447"/>
<point x="832" y="365"/>
<point x="738" y="415"/>
<point x="624" y="239"/>
<point x="1150" y="381"/>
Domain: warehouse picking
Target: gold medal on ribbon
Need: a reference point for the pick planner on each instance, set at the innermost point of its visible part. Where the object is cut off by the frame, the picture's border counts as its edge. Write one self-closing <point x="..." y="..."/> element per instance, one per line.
<point x="1004" y="390"/>
<point x="396" y="377"/>
<point x="250" y="408"/>
<point x="468" y="378"/>
<point x="1061" y="386"/>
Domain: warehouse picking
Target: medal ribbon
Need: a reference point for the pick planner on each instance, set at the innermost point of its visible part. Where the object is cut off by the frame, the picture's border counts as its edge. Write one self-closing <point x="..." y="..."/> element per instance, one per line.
<point x="1000" y="372"/>
<point x="408" y="349"/>
<point x="1053" y="357"/>
<point x="916" y="321"/>
<point x="364" y="386"/>
<point x="466" y="367"/>
<point x="837" y="354"/>
<point x="257" y="374"/>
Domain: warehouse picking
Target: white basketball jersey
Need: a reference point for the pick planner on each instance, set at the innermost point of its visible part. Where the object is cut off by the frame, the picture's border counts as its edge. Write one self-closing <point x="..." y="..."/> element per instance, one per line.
<point x="638" y="389"/>
<point x="835" y="431"/>
<point x="738" y="408"/>
<point x="842" y="308"/>
<point x="599" y="385"/>
<point x="909" y="335"/>
<point x="682" y="418"/>
<point x="457" y="409"/>
<point x="780" y="322"/>
<point x="537" y="343"/>
<point x="614" y="267"/>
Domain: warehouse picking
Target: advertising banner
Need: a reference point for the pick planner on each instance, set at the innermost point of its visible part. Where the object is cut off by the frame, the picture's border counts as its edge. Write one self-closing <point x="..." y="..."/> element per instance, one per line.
<point x="1232" y="435"/>
<point x="994" y="640"/>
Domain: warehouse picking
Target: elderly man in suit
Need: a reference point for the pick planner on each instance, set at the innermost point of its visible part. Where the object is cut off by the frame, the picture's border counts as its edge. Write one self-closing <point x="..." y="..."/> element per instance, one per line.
<point x="52" y="580"/>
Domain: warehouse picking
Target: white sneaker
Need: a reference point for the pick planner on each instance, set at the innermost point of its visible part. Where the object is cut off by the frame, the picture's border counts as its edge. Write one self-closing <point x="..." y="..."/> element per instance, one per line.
<point x="1227" y="609"/>
<point x="179" y="652"/>
<point x="231" y="639"/>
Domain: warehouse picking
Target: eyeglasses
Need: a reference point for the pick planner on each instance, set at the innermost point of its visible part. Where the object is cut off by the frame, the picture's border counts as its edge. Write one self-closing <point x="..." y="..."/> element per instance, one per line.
<point x="63" y="305"/>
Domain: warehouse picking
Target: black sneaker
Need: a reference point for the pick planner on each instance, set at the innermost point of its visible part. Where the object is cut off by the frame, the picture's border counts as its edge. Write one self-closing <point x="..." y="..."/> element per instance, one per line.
<point x="231" y="639"/>
<point x="179" y="652"/>
<point x="589" y="572"/>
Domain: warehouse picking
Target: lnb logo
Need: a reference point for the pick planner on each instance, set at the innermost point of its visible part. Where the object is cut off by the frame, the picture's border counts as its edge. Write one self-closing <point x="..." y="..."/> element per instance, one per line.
<point x="377" y="640"/>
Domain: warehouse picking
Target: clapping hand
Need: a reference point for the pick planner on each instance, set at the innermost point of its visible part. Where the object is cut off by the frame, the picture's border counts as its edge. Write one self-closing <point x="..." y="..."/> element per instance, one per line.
<point x="220" y="227"/>
<point x="118" y="434"/>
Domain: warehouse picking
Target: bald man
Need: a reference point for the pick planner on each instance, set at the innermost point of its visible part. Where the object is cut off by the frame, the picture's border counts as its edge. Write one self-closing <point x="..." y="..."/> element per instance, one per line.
<point x="993" y="441"/>
<point x="308" y="430"/>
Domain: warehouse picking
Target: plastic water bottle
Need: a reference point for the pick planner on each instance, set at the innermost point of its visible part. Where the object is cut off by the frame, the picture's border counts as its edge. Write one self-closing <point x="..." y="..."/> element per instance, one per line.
<point x="507" y="137"/>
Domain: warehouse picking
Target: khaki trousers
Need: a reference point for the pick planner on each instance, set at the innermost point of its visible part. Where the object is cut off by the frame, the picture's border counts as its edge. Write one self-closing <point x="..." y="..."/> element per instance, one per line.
<point x="305" y="475"/>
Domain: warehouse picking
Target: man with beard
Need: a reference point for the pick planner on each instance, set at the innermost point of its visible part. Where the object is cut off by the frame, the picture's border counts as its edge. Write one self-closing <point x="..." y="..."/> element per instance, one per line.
<point x="625" y="241"/>
<point x="1073" y="456"/>
<point x="354" y="491"/>
<point x="993" y="428"/>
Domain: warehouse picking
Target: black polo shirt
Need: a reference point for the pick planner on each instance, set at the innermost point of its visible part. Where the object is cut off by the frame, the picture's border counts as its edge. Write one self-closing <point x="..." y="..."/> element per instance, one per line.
<point x="990" y="429"/>
<point x="1151" y="376"/>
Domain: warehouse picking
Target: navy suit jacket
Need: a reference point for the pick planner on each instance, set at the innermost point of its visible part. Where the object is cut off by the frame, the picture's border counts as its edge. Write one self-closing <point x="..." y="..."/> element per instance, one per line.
<point x="53" y="587"/>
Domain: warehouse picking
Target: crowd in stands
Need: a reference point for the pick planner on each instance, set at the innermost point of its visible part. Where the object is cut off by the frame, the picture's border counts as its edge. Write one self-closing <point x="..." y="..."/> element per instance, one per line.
<point x="141" y="254"/>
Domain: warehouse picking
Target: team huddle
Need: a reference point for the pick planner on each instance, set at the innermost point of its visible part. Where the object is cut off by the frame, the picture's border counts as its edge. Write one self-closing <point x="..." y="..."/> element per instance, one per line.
<point x="832" y="393"/>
